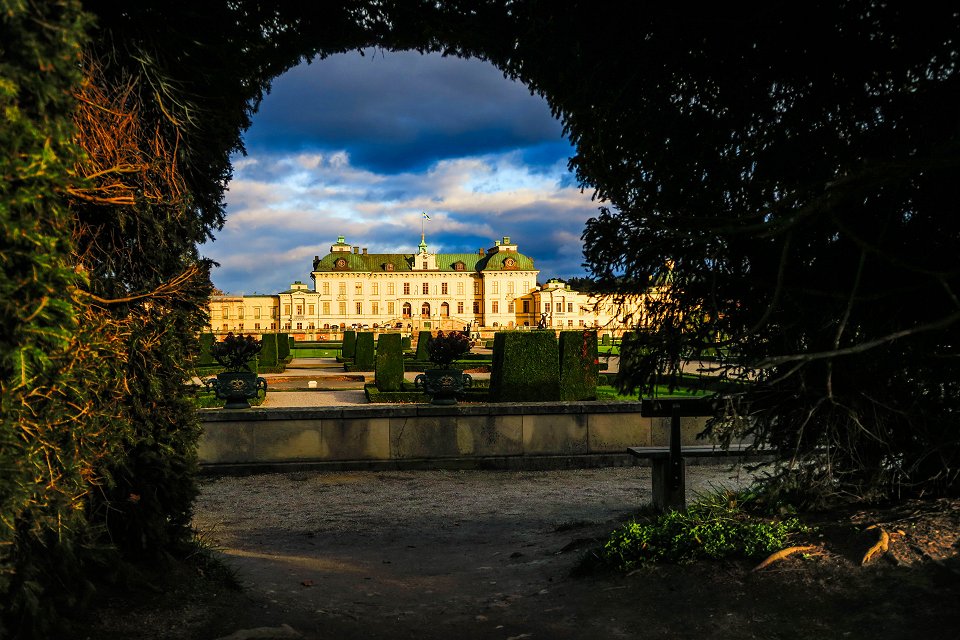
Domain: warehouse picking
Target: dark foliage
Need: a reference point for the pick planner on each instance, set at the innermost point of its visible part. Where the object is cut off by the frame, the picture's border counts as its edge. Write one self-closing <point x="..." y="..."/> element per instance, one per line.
<point x="349" y="348"/>
<point x="235" y="351"/>
<point x="364" y="353"/>
<point x="389" y="363"/>
<point x="443" y="349"/>
<point x="525" y="367"/>
<point x="579" y="364"/>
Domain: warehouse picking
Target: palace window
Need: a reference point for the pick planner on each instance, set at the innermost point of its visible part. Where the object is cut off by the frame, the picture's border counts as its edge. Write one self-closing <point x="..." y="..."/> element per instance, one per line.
<point x="390" y="308"/>
<point x="326" y="308"/>
<point x="476" y="287"/>
<point x="426" y="288"/>
<point x="286" y="309"/>
<point x="526" y="306"/>
<point x="342" y="289"/>
<point x="424" y="266"/>
<point x="526" y="286"/>
<point x="496" y="287"/>
<point x="311" y="309"/>
<point x="559" y="307"/>
<point x="569" y="307"/>
<point x="326" y="288"/>
<point x="256" y="326"/>
<point x="391" y="289"/>
<point x="299" y="326"/>
<point x="374" y="308"/>
<point x="406" y="288"/>
<point x="358" y="288"/>
<point x="443" y="288"/>
<point x="359" y="308"/>
<point x="569" y="323"/>
<point x="459" y="307"/>
<point x="389" y="266"/>
<point x="256" y="312"/>
<point x="240" y="313"/>
<point x="299" y="309"/>
<point x="375" y="288"/>
<point x="510" y="307"/>
<point x="343" y="308"/>
<point x="546" y="307"/>
<point x="476" y="306"/>
<point x="458" y="266"/>
<point x="460" y="288"/>
<point x="495" y="306"/>
<point x="226" y="312"/>
<point x="510" y="286"/>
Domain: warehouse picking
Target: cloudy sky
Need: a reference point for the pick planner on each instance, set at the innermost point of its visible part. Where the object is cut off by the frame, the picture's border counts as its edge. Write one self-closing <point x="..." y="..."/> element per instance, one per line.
<point x="360" y="145"/>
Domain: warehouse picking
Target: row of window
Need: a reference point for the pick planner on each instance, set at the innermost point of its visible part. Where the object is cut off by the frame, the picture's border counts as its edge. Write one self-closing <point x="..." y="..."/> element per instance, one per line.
<point x="389" y="309"/>
<point x="310" y="326"/>
<point x="424" y="288"/>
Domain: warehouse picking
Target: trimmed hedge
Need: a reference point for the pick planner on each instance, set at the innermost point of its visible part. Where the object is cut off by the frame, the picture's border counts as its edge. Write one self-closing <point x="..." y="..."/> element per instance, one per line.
<point x="578" y="365"/>
<point x="283" y="347"/>
<point x="423" y="340"/>
<point x="525" y="367"/>
<point x="363" y="354"/>
<point x="269" y="356"/>
<point x="205" y="359"/>
<point x="389" y="363"/>
<point x="406" y="343"/>
<point x="349" y="344"/>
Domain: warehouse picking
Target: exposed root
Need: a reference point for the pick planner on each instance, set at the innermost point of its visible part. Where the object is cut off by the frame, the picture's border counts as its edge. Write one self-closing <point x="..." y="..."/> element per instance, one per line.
<point x="880" y="547"/>
<point x="780" y="555"/>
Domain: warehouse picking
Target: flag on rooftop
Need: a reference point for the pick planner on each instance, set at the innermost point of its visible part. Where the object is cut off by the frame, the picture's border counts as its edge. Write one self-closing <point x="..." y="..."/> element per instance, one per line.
<point x="425" y="216"/>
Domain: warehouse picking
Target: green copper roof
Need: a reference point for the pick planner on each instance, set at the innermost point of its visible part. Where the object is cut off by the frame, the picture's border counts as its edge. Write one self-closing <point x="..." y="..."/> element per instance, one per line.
<point x="376" y="262"/>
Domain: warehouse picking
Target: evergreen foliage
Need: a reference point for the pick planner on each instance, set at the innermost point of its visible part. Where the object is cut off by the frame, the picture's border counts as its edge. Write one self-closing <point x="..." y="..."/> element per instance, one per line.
<point x="423" y="346"/>
<point x="525" y="367"/>
<point x="364" y="353"/>
<point x="406" y="343"/>
<point x="269" y="356"/>
<point x="389" y="362"/>
<point x="283" y="347"/>
<point x="578" y="365"/>
<point x="349" y="349"/>
<point x="206" y="341"/>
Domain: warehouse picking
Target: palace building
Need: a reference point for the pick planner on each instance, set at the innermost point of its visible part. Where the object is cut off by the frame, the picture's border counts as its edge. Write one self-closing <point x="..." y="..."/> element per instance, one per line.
<point x="489" y="290"/>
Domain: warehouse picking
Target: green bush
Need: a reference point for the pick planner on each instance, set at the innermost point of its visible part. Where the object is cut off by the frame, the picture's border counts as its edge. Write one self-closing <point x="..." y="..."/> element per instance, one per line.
<point x="578" y="365"/>
<point x="423" y="342"/>
<point x="717" y="525"/>
<point x="406" y="343"/>
<point x="349" y="344"/>
<point x="363" y="353"/>
<point x="283" y="347"/>
<point x="525" y="367"/>
<point x="605" y="341"/>
<point x="389" y="363"/>
<point x="205" y="359"/>
<point x="269" y="356"/>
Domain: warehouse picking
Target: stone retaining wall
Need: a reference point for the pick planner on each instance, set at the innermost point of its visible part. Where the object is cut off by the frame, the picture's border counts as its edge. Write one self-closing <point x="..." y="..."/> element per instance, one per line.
<point x="416" y="432"/>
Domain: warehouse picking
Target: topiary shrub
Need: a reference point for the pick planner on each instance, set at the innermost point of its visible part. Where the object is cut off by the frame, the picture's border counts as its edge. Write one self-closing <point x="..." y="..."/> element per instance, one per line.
<point x="363" y="353"/>
<point x="406" y="343"/>
<point x="389" y="363"/>
<point x="578" y="365"/>
<point x="205" y="359"/>
<point x="606" y="340"/>
<point x="349" y="348"/>
<point x="283" y="347"/>
<point x="269" y="356"/>
<point x="525" y="367"/>
<point x="423" y="344"/>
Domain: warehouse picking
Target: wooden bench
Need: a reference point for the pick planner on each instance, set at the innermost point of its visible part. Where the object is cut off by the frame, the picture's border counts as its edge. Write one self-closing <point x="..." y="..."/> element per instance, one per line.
<point x="669" y="481"/>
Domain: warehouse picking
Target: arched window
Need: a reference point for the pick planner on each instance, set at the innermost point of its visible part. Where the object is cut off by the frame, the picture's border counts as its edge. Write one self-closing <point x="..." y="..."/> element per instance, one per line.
<point x="444" y="310"/>
<point x="425" y="310"/>
<point x="407" y="310"/>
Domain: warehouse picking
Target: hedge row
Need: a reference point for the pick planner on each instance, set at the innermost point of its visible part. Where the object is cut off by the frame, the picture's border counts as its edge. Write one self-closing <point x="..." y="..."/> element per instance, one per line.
<point x="533" y="366"/>
<point x="389" y="363"/>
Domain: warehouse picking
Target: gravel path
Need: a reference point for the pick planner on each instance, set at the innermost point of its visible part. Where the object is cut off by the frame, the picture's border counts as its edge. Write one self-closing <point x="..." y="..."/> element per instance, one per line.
<point x="425" y="554"/>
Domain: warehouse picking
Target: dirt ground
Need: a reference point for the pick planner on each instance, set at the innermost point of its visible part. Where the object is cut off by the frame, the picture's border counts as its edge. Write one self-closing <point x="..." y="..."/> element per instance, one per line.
<point x="483" y="554"/>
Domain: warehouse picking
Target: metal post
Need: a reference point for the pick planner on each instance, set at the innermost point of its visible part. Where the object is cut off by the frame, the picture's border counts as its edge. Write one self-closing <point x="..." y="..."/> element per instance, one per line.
<point x="676" y="462"/>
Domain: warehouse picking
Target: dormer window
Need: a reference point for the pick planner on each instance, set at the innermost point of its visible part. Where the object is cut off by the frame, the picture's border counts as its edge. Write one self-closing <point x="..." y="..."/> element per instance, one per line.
<point x="510" y="263"/>
<point x="458" y="266"/>
<point x="388" y="266"/>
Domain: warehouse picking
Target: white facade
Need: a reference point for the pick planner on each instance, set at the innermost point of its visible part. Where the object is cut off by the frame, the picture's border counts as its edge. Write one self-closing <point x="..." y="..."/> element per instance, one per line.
<point x="489" y="290"/>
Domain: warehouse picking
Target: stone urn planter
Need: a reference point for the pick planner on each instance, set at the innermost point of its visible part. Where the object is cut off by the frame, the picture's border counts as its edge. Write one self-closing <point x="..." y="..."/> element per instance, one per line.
<point x="237" y="388"/>
<point x="444" y="386"/>
<point x="237" y="385"/>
